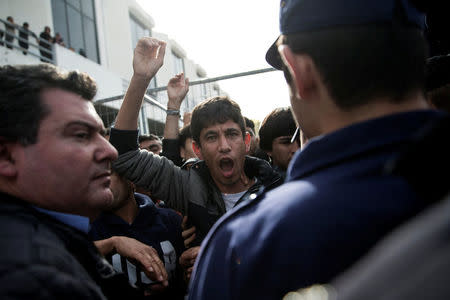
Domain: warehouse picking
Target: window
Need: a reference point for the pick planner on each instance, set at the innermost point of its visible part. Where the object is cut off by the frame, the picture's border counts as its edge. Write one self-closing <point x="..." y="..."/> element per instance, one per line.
<point x="75" y="21"/>
<point x="138" y="31"/>
<point x="177" y="63"/>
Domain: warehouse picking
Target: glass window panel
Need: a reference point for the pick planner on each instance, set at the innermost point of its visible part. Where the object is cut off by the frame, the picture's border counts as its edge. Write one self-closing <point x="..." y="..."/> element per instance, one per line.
<point x="87" y="7"/>
<point x="178" y="63"/>
<point x="76" y="29"/>
<point x="60" y="18"/>
<point x="75" y="3"/>
<point x="90" y="39"/>
<point x="134" y="33"/>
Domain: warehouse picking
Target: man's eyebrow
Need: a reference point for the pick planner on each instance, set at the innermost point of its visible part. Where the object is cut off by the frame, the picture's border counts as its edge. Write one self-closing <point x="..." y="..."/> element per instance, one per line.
<point x="232" y="130"/>
<point x="90" y="126"/>
<point x="210" y="132"/>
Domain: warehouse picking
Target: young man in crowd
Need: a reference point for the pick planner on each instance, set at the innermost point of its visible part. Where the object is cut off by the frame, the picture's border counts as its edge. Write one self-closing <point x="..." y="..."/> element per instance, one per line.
<point x="275" y="137"/>
<point x="134" y="217"/>
<point x="150" y="142"/>
<point x="356" y="75"/>
<point x="54" y="178"/>
<point x="224" y="177"/>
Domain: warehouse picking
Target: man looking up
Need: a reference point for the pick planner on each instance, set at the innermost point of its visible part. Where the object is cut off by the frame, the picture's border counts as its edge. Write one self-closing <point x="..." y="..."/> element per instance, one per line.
<point x="356" y="75"/>
<point x="54" y="177"/>
<point x="211" y="187"/>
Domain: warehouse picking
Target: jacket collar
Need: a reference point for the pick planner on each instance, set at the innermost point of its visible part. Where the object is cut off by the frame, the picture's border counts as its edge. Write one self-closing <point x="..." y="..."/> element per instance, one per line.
<point x="357" y="139"/>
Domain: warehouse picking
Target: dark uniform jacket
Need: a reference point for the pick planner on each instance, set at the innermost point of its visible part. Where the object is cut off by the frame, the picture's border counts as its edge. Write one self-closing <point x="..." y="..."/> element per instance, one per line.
<point x="337" y="202"/>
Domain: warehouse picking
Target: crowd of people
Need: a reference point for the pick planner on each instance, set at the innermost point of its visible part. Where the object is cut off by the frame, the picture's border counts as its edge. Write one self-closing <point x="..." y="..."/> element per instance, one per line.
<point x="329" y="192"/>
<point x="22" y="33"/>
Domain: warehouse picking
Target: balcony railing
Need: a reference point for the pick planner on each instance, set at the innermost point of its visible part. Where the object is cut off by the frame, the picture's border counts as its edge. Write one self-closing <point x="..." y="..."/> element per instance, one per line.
<point x="12" y="40"/>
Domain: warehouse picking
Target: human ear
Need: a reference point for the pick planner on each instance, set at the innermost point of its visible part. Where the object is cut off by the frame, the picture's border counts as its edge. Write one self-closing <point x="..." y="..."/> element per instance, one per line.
<point x="197" y="149"/>
<point x="7" y="164"/>
<point x="301" y="68"/>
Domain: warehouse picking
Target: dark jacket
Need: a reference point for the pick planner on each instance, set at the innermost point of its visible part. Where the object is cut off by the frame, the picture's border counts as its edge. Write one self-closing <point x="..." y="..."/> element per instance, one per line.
<point x="42" y="258"/>
<point x="337" y="202"/>
<point x="157" y="227"/>
<point x="192" y="192"/>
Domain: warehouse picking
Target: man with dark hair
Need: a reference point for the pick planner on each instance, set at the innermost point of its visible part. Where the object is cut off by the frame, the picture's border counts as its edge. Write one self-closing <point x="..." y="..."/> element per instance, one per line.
<point x="24" y="33"/>
<point x="186" y="152"/>
<point x="356" y="75"/>
<point x="275" y="137"/>
<point x="10" y="31"/>
<point x="45" y="45"/>
<point x="224" y="177"/>
<point x="250" y="128"/>
<point x="54" y="178"/>
<point x="134" y="217"/>
<point x="150" y="142"/>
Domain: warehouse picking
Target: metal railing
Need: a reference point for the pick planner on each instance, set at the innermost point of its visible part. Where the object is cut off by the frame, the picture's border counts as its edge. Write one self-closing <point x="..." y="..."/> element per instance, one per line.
<point x="153" y="106"/>
<point x="37" y="45"/>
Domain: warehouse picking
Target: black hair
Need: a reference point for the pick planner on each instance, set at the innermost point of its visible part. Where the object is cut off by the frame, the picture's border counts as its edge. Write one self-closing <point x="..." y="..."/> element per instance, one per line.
<point x="249" y="123"/>
<point x="185" y="133"/>
<point x="215" y="110"/>
<point x="148" y="137"/>
<point x="280" y="122"/>
<point x="361" y="63"/>
<point x="21" y="106"/>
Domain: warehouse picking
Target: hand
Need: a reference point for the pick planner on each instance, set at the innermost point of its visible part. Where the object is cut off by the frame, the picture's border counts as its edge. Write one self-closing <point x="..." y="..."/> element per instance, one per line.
<point x="188" y="233"/>
<point x="177" y="88"/>
<point x="148" y="57"/>
<point x="143" y="254"/>
<point x="187" y="260"/>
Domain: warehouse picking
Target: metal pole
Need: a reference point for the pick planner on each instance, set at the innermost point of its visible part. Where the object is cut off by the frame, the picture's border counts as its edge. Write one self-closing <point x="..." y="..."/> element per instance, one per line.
<point x="163" y="88"/>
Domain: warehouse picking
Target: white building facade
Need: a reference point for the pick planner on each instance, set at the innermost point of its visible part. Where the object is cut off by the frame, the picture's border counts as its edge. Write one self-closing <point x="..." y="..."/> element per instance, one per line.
<point x="105" y="32"/>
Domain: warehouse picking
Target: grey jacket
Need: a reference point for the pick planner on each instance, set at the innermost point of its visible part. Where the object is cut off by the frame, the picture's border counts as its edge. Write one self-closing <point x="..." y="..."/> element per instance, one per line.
<point x="192" y="192"/>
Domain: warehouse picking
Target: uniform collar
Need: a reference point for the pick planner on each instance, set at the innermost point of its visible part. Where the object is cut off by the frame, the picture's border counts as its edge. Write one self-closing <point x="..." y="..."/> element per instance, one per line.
<point x="357" y="139"/>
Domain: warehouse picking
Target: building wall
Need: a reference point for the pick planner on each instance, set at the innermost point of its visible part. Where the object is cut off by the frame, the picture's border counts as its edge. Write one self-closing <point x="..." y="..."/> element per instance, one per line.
<point x="115" y="51"/>
<point x="38" y="13"/>
<point x="117" y="37"/>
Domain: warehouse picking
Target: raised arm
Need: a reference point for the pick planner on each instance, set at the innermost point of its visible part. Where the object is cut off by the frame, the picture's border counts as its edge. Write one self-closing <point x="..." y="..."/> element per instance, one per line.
<point x="148" y="58"/>
<point x="177" y="88"/>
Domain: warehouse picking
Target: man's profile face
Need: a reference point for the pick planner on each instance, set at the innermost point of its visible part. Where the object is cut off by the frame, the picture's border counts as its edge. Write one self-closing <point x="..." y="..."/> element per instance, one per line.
<point x="187" y="152"/>
<point x="223" y="149"/>
<point x="151" y="146"/>
<point x="283" y="151"/>
<point x="68" y="168"/>
<point x="121" y="189"/>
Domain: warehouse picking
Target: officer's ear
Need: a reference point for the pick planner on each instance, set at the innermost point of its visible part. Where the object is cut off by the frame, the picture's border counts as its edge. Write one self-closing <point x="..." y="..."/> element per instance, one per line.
<point x="197" y="149"/>
<point x="8" y="166"/>
<point x="302" y="70"/>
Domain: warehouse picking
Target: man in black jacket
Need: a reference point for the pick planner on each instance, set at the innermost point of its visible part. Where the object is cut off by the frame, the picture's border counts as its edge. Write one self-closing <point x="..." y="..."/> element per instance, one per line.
<point x="54" y="177"/>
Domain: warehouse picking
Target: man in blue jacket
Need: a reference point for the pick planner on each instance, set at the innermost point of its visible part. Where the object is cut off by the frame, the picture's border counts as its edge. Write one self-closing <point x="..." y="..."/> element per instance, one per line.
<point x="356" y="73"/>
<point x="134" y="223"/>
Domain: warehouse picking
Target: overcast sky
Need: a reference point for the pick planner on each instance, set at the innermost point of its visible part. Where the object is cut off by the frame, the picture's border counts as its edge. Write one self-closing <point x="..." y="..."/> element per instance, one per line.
<point x="227" y="37"/>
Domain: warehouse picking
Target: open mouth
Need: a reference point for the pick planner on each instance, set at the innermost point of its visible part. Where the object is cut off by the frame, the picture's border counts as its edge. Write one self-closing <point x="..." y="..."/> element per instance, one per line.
<point x="226" y="165"/>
